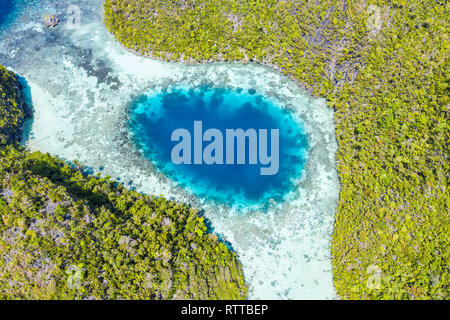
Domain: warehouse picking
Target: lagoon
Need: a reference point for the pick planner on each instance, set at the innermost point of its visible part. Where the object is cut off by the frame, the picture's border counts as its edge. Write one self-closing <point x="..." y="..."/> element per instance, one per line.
<point x="83" y="87"/>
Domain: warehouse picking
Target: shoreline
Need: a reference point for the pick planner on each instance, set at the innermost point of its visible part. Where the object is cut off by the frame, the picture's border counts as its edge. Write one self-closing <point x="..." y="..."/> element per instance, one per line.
<point x="271" y="66"/>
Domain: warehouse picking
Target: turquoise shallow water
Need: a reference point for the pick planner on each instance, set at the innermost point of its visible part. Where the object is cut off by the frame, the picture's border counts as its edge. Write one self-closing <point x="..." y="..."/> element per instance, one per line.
<point x="82" y="84"/>
<point x="156" y="116"/>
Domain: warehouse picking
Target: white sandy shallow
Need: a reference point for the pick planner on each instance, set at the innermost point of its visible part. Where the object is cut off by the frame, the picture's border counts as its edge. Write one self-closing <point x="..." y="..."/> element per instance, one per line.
<point x="82" y="82"/>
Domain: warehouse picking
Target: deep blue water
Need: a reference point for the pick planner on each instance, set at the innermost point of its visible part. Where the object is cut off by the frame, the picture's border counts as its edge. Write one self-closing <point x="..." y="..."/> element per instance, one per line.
<point x="6" y="8"/>
<point x="155" y="116"/>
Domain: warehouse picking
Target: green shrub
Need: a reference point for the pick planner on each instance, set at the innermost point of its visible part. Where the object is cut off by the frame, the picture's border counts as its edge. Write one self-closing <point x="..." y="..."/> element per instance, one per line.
<point x="12" y="111"/>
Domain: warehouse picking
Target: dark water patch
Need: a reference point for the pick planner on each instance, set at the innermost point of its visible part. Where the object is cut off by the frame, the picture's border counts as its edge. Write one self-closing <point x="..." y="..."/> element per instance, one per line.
<point x="6" y="10"/>
<point x="155" y="117"/>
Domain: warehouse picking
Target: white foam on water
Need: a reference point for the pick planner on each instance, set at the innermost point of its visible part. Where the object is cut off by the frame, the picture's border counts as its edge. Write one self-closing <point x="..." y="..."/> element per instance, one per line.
<point x="82" y="82"/>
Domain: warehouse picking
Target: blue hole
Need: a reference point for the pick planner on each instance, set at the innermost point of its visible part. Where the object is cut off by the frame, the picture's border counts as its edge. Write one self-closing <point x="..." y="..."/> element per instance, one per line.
<point x="155" y="116"/>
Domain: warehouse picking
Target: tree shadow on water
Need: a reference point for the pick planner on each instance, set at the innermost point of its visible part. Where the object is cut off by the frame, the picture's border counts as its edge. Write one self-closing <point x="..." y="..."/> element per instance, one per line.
<point x="28" y="109"/>
<point x="210" y="229"/>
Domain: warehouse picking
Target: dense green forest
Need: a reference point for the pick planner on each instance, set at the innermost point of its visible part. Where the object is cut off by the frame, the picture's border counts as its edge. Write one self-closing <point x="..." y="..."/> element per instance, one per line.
<point x="383" y="67"/>
<point x="12" y="111"/>
<point x="67" y="235"/>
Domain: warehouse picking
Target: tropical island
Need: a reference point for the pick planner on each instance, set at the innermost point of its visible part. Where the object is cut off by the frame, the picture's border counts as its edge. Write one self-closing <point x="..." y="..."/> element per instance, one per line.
<point x="383" y="69"/>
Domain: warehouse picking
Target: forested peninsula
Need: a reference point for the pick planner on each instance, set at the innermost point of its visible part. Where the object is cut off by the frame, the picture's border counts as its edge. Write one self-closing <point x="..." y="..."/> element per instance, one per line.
<point x="68" y="235"/>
